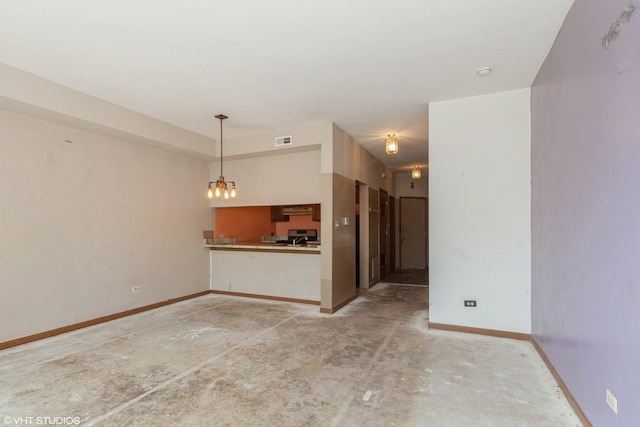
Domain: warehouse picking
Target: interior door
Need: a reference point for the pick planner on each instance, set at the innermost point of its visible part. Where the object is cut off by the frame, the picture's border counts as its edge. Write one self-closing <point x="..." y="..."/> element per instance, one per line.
<point x="374" y="238"/>
<point x="384" y="233"/>
<point x="413" y="233"/>
<point x="392" y="234"/>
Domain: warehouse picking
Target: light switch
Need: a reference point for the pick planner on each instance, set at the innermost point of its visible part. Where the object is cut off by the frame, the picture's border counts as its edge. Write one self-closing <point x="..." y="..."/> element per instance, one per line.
<point x="345" y="220"/>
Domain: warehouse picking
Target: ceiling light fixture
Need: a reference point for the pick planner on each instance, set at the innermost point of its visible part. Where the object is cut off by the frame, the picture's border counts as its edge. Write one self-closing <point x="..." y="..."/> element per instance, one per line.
<point x="391" y="144"/>
<point x="221" y="187"/>
<point x="416" y="173"/>
<point x="484" y="72"/>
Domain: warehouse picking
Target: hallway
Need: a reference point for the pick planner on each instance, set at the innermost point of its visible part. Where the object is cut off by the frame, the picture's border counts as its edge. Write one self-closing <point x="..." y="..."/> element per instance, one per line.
<point x="409" y="277"/>
<point x="219" y="360"/>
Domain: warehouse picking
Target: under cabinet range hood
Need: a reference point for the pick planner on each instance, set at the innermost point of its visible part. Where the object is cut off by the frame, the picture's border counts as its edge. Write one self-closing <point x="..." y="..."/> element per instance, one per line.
<point x="297" y="210"/>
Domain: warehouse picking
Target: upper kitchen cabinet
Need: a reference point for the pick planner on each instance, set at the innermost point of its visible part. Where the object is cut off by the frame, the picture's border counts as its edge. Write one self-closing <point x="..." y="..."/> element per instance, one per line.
<point x="284" y="213"/>
<point x="277" y="215"/>
<point x="315" y="214"/>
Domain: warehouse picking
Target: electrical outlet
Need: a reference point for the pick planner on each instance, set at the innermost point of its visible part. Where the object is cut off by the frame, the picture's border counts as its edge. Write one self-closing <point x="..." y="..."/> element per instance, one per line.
<point x="135" y="289"/>
<point x="612" y="401"/>
<point x="470" y="303"/>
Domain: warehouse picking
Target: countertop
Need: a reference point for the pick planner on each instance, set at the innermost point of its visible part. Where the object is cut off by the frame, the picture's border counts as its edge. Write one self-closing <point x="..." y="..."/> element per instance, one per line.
<point x="265" y="247"/>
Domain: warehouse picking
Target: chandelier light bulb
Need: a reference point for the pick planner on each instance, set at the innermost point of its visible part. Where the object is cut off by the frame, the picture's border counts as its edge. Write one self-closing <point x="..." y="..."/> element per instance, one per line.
<point x="217" y="191"/>
<point x="233" y="192"/>
<point x="210" y="193"/>
<point x="226" y="194"/>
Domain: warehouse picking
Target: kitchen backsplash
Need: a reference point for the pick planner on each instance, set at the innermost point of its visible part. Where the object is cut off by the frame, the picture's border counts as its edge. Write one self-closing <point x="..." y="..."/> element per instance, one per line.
<point x="248" y="224"/>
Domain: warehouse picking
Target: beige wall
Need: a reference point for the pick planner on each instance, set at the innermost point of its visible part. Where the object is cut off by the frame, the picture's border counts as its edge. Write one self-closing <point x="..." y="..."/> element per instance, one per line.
<point x="267" y="175"/>
<point x="285" y="178"/>
<point x="34" y="96"/>
<point x="480" y="211"/>
<point x="326" y="255"/>
<point x="352" y="161"/>
<point x="304" y="138"/>
<point x="84" y="221"/>
<point x="403" y="185"/>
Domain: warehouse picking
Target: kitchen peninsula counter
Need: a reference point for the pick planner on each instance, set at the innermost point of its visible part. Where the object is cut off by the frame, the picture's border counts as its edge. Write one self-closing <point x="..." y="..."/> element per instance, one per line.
<point x="266" y="247"/>
<point x="266" y="270"/>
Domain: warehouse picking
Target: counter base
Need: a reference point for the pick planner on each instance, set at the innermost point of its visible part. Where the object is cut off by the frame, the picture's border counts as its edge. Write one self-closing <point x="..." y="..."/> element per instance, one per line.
<point x="269" y="297"/>
<point x="288" y="276"/>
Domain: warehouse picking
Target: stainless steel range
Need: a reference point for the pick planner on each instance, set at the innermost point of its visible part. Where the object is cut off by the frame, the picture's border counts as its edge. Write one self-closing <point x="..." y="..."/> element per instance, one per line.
<point x="302" y="236"/>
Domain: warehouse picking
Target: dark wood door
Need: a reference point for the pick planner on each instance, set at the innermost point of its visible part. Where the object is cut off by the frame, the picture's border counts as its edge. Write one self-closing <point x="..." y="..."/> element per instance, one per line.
<point x="384" y="233"/>
<point x="392" y="234"/>
<point x="413" y="233"/>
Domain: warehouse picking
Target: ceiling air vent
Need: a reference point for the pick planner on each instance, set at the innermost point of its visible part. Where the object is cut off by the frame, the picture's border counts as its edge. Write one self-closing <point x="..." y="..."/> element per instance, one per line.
<point x="283" y="141"/>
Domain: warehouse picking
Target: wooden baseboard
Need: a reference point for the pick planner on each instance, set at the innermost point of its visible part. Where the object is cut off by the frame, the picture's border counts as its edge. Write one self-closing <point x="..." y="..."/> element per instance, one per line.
<point x="339" y="306"/>
<point x="87" y="323"/>
<point x="572" y="401"/>
<point x="480" y="331"/>
<point x="269" y="297"/>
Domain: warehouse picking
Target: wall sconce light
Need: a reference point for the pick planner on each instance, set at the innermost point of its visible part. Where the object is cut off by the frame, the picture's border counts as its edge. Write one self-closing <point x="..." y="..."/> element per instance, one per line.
<point x="221" y="186"/>
<point x="391" y="144"/>
<point x="416" y="173"/>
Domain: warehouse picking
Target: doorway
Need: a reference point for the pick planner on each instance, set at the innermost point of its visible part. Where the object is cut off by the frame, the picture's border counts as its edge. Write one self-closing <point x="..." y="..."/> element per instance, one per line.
<point x="413" y="233"/>
<point x="392" y="234"/>
<point x="363" y="231"/>
<point x="384" y="233"/>
<point x="357" y="254"/>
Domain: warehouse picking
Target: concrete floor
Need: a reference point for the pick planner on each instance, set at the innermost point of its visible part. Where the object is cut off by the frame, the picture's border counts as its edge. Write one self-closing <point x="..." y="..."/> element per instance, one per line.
<point x="225" y="361"/>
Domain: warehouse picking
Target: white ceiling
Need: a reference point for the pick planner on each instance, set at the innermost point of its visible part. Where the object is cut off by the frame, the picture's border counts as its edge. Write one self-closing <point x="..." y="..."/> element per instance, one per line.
<point x="370" y="67"/>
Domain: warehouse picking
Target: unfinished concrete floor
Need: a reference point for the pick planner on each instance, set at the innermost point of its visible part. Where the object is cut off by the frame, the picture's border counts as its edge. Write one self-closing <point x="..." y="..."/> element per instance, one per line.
<point x="218" y="361"/>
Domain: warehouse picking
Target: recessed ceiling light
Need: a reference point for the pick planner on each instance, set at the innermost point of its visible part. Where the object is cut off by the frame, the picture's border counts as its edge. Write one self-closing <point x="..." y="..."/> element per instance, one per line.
<point x="484" y="72"/>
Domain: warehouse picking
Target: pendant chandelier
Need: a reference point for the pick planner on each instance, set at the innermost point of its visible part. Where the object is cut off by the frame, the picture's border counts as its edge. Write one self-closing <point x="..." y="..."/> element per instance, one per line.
<point x="391" y="144"/>
<point x="221" y="187"/>
<point x="416" y="173"/>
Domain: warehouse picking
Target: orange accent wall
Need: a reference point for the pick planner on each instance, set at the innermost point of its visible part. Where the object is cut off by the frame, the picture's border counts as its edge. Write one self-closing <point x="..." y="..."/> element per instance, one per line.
<point x="247" y="224"/>
<point x="296" y="221"/>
